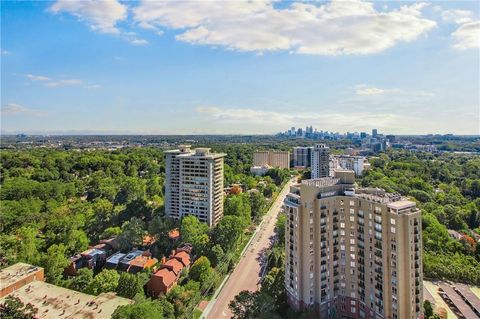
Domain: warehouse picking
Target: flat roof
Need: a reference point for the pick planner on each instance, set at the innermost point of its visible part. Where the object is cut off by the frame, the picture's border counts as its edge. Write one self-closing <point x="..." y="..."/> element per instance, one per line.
<point x="57" y="302"/>
<point x="401" y="204"/>
<point x="17" y="272"/>
<point x="115" y="258"/>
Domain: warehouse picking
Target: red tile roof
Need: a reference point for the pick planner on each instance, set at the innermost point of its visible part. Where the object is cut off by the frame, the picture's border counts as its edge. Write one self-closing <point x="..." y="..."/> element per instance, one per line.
<point x="173" y="264"/>
<point x="166" y="276"/>
<point x="174" y="234"/>
<point x="184" y="257"/>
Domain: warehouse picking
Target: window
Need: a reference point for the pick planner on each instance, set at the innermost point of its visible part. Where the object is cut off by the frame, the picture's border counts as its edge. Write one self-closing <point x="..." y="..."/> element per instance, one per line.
<point x="392" y="229"/>
<point x="392" y="221"/>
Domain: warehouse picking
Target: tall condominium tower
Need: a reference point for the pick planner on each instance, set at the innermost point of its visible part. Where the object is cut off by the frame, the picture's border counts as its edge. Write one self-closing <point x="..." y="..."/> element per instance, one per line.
<point x="194" y="184"/>
<point x="354" y="253"/>
<point x="302" y="156"/>
<point x="320" y="161"/>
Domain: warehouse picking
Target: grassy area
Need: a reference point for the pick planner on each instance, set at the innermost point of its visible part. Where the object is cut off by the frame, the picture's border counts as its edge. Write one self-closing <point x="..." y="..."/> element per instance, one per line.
<point x="197" y="313"/>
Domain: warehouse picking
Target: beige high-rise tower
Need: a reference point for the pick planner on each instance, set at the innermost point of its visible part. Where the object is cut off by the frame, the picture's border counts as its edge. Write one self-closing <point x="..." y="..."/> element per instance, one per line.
<point x="194" y="184"/>
<point x="354" y="253"/>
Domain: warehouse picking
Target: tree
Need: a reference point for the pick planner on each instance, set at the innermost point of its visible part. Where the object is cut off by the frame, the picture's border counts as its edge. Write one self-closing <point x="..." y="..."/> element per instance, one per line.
<point x="427" y="309"/>
<point x="132" y="234"/>
<point x="258" y="204"/>
<point x="54" y="263"/>
<point x="195" y="233"/>
<point x="202" y="272"/>
<point x="105" y="281"/>
<point x="239" y="205"/>
<point x="14" y="308"/>
<point x="129" y="285"/>
<point x="28" y="245"/>
<point x="227" y="232"/>
<point x="81" y="281"/>
<point x="253" y="305"/>
<point x="217" y="254"/>
<point x="147" y="309"/>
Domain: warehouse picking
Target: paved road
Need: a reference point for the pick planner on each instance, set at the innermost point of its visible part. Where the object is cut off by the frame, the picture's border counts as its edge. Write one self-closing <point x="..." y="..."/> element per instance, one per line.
<point x="248" y="271"/>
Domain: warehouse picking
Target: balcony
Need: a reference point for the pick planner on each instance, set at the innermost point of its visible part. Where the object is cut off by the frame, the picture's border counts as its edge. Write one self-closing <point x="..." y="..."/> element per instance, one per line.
<point x="378" y="244"/>
<point x="360" y="229"/>
<point x="378" y="253"/>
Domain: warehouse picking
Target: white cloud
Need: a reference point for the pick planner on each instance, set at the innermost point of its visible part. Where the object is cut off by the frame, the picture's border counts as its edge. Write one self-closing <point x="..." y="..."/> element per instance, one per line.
<point x="17" y="109"/>
<point x="337" y="27"/>
<point x="138" y="42"/>
<point x="37" y="77"/>
<point x="270" y="120"/>
<point x="365" y="90"/>
<point x="49" y="82"/>
<point x="5" y="52"/>
<point x="63" y="82"/>
<point x="93" y="86"/>
<point x="467" y="36"/>
<point x="457" y="16"/>
<point x="100" y="15"/>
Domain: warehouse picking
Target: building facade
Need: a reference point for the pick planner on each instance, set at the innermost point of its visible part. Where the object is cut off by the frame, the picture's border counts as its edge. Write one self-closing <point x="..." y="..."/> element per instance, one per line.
<point x="320" y="161"/>
<point x="302" y="157"/>
<point x="354" y="253"/>
<point x="261" y="158"/>
<point x="277" y="159"/>
<point x="353" y="163"/>
<point x="194" y="184"/>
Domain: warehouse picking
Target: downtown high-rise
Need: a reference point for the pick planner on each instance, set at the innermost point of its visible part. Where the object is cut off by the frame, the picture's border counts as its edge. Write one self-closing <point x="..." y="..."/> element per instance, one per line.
<point x="352" y="252"/>
<point x="194" y="184"/>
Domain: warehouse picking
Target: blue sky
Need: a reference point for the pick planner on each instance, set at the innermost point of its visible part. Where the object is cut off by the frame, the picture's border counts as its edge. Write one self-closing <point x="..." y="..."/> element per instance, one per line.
<point x="239" y="67"/>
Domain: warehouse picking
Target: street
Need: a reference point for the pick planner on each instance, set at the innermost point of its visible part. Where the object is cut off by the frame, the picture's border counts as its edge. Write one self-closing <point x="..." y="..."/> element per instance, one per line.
<point x="248" y="271"/>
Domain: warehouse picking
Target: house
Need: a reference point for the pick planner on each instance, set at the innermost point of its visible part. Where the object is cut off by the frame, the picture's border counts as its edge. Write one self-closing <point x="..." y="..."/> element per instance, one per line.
<point x="113" y="261"/>
<point x="124" y="262"/>
<point x="166" y="278"/>
<point x="92" y="258"/>
<point x="95" y="258"/>
<point x="148" y="240"/>
<point x="141" y="263"/>
<point x="174" y="234"/>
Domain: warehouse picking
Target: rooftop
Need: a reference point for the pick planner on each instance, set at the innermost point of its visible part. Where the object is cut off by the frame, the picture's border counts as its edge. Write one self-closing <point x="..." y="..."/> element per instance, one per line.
<point x="56" y="302"/>
<point x="320" y="182"/>
<point x="15" y="273"/>
<point x="168" y="277"/>
<point x="401" y="204"/>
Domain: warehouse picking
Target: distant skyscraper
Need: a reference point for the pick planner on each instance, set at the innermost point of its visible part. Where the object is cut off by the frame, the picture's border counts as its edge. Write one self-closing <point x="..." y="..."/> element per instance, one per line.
<point x="194" y="184"/>
<point x="374" y="132"/>
<point x="320" y="161"/>
<point x="302" y="156"/>
<point x="352" y="253"/>
<point x="363" y="135"/>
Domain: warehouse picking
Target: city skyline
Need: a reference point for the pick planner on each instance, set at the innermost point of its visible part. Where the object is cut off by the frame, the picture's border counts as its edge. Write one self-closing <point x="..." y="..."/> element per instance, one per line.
<point x="184" y="68"/>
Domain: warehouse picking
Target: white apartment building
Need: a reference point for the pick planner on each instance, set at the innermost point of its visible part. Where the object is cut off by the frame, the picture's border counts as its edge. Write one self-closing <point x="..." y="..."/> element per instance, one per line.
<point x="194" y="184"/>
<point x="353" y="163"/>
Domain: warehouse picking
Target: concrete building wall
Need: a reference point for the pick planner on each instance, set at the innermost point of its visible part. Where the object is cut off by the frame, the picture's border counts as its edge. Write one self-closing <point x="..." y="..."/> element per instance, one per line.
<point x="352" y="254"/>
<point x="261" y="158"/>
<point x="194" y="184"/>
